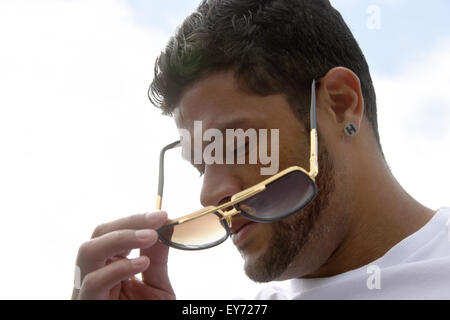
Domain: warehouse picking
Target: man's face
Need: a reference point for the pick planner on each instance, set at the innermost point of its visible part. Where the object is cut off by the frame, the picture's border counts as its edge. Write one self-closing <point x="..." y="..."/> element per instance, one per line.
<point x="268" y="249"/>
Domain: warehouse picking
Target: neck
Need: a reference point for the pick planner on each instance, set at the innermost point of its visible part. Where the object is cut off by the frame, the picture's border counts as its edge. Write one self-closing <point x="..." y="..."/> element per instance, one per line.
<point x="381" y="215"/>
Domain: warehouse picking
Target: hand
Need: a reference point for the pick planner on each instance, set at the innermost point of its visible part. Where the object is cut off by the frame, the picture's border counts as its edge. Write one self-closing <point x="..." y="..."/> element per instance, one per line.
<point x="106" y="273"/>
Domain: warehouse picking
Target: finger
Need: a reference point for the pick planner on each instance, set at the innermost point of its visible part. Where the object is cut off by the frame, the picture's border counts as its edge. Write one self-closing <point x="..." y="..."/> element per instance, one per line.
<point x="157" y="276"/>
<point x="97" y="284"/>
<point x="113" y="259"/>
<point x="124" y="254"/>
<point x="96" y="252"/>
<point x="139" y="221"/>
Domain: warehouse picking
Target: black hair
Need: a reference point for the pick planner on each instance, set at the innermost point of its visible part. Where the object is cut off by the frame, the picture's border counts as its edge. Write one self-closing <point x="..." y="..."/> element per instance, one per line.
<point x="273" y="46"/>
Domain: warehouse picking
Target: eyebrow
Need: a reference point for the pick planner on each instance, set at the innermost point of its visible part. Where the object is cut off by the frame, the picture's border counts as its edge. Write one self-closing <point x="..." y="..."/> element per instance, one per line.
<point x="234" y="123"/>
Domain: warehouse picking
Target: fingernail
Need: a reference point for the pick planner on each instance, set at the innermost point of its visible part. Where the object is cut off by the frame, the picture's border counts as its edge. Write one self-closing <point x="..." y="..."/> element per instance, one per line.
<point x="156" y="214"/>
<point x="139" y="262"/>
<point x="144" y="235"/>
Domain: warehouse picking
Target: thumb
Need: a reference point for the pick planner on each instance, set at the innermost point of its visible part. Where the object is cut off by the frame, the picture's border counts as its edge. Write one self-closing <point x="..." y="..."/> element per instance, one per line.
<point x="156" y="275"/>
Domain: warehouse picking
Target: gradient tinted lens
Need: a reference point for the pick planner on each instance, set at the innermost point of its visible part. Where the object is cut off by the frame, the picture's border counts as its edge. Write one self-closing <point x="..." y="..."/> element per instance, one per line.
<point x="205" y="231"/>
<point x="281" y="198"/>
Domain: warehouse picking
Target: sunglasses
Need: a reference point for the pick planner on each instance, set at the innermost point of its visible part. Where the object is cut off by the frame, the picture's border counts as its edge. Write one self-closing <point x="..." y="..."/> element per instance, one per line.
<point x="273" y="199"/>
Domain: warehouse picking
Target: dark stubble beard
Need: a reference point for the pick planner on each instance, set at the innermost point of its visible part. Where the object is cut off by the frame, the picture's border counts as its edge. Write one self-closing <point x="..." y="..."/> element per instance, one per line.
<point x="290" y="235"/>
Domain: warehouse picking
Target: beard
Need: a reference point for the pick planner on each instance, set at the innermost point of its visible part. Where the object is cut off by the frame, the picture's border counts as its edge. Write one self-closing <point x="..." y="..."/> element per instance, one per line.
<point x="289" y="235"/>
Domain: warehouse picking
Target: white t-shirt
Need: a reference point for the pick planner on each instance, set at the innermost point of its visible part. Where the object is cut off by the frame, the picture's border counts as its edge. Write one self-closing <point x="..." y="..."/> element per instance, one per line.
<point x="418" y="267"/>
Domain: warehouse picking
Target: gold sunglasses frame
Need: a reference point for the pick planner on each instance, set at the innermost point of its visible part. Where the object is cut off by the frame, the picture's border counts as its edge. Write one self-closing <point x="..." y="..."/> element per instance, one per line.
<point x="247" y="193"/>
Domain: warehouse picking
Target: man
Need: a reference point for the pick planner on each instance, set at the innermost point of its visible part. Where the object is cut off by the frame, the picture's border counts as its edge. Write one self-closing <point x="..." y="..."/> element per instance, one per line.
<point x="250" y="64"/>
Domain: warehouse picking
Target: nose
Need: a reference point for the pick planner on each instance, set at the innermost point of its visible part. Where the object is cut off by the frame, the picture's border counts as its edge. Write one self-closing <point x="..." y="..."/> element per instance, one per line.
<point x="219" y="184"/>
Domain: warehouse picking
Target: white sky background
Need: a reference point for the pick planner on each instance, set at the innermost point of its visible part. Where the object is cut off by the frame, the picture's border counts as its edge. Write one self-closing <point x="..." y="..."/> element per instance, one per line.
<point x="79" y="142"/>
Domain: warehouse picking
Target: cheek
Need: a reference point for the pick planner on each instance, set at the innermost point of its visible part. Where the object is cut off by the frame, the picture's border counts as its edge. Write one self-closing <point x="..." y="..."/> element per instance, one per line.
<point x="294" y="153"/>
<point x="294" y="149"/>
<point x="249" y="174"/>
<point x="262" y="238"/>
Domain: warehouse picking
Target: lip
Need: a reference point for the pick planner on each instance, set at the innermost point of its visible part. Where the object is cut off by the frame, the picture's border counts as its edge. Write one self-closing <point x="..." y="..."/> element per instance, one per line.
<point x="239" y="235"/>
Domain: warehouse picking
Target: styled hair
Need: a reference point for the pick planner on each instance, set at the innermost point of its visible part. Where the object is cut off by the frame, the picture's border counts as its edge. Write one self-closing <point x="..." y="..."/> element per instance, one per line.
<point x="273" y="47"/>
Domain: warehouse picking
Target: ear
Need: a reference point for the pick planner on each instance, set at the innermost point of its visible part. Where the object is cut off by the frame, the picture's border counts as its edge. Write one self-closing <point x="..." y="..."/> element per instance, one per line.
<point x="340" y="89"/>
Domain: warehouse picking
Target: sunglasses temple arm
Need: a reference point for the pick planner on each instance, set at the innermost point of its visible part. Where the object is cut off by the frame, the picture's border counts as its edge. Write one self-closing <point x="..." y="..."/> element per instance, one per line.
<point x="161" y="173"/>
<point x="314" y="164"/>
